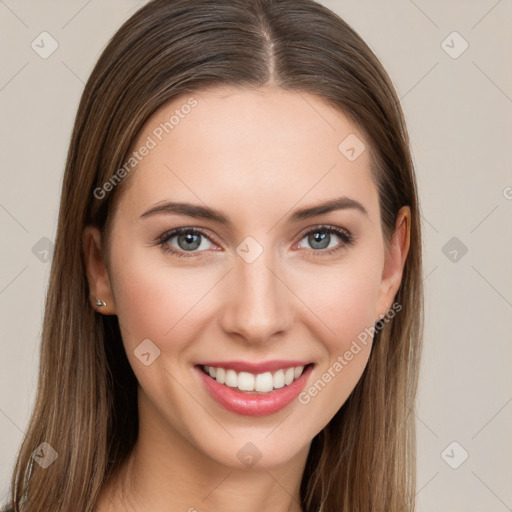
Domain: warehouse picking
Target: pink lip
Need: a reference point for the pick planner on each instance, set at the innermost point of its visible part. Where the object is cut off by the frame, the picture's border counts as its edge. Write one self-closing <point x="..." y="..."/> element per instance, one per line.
<point x="265" y="366"/>
<point x="254" y="404"/>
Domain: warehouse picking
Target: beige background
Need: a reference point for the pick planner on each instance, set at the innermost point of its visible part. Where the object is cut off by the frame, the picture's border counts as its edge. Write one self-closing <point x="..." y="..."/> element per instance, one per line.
<point x="459" y="113"/>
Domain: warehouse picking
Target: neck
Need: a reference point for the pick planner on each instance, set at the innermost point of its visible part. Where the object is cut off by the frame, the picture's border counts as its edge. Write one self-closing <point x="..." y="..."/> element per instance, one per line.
<point x="166" y="472"/>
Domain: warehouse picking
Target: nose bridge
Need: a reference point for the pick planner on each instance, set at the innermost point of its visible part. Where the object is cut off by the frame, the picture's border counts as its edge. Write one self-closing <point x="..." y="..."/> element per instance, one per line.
<point x="259" y="304"/>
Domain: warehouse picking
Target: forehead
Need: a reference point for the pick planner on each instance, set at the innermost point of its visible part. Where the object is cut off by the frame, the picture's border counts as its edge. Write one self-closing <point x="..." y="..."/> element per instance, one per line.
<point x="250" y="148"/>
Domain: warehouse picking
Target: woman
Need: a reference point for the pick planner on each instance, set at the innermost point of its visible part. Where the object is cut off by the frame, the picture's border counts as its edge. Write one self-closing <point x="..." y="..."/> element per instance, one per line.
<point x="234" y="313"/>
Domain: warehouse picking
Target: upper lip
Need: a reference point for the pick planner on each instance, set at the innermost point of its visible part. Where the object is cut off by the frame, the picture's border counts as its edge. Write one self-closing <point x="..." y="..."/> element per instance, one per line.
<point x="261" y="367"/>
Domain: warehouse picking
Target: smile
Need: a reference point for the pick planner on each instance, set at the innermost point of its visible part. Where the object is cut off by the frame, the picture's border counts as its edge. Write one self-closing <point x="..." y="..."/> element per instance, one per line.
<point x="260" y="383"/>
<point x="254" y="389"/>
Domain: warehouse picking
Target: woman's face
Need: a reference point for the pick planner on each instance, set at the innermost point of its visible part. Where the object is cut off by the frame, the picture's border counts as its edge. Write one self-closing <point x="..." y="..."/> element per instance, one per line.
<point x="262" y="277"/>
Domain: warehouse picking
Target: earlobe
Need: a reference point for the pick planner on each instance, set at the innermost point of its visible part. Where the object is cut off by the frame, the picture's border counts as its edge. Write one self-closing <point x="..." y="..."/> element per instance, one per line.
<point x="395" y="259"/>
<point x="100" y="290"/>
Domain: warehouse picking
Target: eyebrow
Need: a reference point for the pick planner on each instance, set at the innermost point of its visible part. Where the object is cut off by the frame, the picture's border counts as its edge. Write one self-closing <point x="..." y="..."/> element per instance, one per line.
<point x="205" y="212"/>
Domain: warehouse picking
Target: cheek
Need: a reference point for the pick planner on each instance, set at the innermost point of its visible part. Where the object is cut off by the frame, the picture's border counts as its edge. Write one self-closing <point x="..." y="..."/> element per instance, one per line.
<point x="150" y="299"/>
<point x="343" y="299"/>
<point x="165" y="303"/>
<point x="355" y="307"/>
<point x="167" y="306"/>
<point x="158" y="302"/>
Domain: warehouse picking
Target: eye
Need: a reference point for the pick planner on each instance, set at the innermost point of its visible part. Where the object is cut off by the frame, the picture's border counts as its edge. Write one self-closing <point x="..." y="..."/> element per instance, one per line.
<point x="321" y="239"/>
<point x="191" y="242"/>
<point x="187" y="240"/>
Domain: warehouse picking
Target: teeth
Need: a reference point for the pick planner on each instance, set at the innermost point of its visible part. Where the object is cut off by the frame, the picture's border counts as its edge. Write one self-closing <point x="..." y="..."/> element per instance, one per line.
<point x="289" y="374"/>
<point x="220" y="375"/>
<point x="279" y="379"/>
<point x="231" y="379"/>
<point x="246" y="381"/>
<point x="262" y="382"/>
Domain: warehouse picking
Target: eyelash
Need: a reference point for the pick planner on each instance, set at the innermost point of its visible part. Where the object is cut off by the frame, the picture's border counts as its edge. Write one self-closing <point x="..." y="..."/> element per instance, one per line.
<point x="347" y="239"/>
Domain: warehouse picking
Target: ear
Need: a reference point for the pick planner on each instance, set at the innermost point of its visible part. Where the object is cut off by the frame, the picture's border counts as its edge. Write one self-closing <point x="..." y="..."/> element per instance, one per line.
<point x="394" y="261"/>
<point x="96" y="270"/>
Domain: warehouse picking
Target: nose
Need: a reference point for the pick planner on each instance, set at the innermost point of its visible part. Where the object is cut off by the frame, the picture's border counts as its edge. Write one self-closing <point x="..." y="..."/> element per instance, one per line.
<point x="258" y="306"/>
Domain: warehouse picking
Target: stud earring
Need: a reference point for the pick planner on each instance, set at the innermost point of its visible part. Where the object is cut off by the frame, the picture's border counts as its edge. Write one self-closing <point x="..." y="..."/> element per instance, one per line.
<point x="100" y="303"/>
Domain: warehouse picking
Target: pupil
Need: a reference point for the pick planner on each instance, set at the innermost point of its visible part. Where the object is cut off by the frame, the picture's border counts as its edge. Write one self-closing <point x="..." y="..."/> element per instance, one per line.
<point x="320" y="239"/>
<point x="189" y="238"/>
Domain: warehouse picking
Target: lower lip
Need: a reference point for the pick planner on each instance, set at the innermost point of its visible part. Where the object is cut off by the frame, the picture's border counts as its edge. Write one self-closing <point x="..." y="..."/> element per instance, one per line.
<point x="254" y="404"/>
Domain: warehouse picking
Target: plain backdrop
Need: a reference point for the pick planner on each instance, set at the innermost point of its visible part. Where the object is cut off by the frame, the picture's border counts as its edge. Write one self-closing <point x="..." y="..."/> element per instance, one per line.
<point x="450" y="62"/>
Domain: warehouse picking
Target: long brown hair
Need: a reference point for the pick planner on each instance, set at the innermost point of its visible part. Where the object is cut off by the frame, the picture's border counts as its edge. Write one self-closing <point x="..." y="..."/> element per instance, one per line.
<point x="86" y="404"/>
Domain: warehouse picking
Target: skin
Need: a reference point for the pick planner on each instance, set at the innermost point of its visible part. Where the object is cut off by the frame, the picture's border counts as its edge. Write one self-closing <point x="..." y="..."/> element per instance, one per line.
<point x="256" y="155"/>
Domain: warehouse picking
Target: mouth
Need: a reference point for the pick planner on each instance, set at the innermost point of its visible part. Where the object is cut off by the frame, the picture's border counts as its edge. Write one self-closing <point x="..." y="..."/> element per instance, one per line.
<point x="254" y="393"/>
<point x="254" y="383"/>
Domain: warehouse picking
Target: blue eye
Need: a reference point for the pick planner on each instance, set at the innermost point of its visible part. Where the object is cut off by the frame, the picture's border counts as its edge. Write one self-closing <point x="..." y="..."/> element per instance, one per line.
<point x="191" y="242"/>
<point x="188" y="240"/>
<point x="320" y="239"/>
